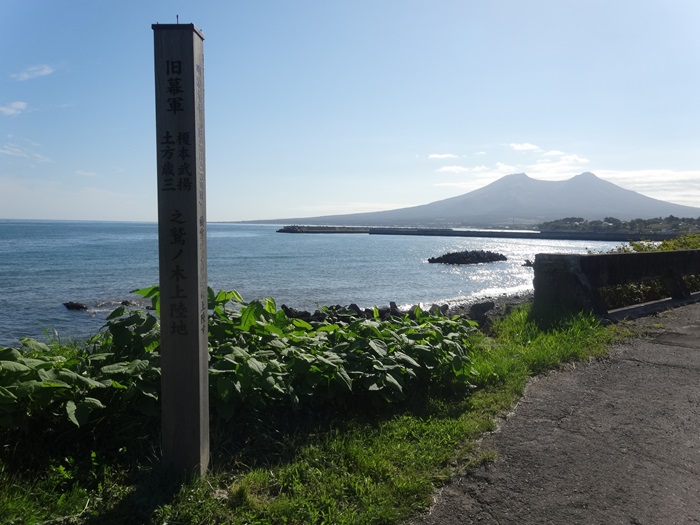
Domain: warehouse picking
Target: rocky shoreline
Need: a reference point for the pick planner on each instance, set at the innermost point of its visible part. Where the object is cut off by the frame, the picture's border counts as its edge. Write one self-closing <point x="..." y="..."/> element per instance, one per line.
<point x="483" y="310"/>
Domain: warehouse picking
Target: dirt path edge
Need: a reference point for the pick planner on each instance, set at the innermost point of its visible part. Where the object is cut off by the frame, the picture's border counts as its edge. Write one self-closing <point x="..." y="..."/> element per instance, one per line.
<point x="613" y="441"/>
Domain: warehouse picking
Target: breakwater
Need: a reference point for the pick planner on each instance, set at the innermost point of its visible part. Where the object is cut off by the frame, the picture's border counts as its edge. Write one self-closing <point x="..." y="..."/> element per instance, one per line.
<point x="498" y="234"/>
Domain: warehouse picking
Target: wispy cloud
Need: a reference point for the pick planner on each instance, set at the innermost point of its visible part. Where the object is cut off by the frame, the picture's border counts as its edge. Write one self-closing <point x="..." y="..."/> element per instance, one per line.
<point x="526" y="146"/>
<point x="480" y="153"/>
<point x="15" y="150"/>
<point x="443" y="156"/>
<point x="506" y="169"/>
<point x="679" y="186"/>
<point x="550" y="168"/>
<point x="452" y="169"/>
<point x="13" y="108"/>
<point x="33" y="72"/>
<point x="84" y="173"/>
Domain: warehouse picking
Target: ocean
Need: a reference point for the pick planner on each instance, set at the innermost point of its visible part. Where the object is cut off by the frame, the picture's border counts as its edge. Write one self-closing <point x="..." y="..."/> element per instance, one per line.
<point x="44" y="264"/>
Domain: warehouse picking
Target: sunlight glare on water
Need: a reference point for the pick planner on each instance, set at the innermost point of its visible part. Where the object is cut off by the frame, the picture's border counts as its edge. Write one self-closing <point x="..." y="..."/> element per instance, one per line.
<point x="44" y="264"/>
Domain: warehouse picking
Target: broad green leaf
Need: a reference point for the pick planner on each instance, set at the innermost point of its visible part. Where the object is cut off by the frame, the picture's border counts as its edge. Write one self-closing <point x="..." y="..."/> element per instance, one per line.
<point x="71" y="408"/>
<point x="271" y="329"/>
<point x="100" y="357"/>
<point x="6" y="397"/>
<point x="344" y="378"/>
<point x="147" y="292"/>
<point x="270" y="305"/>
<point x="71" y="377"/>
<point x="134" y="367"/>
<point x="117" y="312"/>
<point x="378" y="346"/>
<point x="35" y="346"/>
<point x="400" y="356"/>
<point x="92" y="402"/>
<point x="300" y="323"/>
<point x="250" y="315"/>
<point x="391" y="380"/>
<point x="54" y="384"/>
<point x="111" y="383"/>
<point x="239" y="352"/>
<point x="79" y="412"/>
<point x="256" y="366"/>
<point x="328" y="328"/>
<point x="13" y="366"/>
<point x="9" y="354"/>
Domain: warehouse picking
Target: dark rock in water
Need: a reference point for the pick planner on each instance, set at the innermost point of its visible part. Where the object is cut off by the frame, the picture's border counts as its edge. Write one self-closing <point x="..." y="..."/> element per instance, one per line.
<point x="128" y="303"/>
<point x="468" y="257"/>
<point x="438" y="308"/>
<point x="384" y="313"/>
<point x="296" y="314"/>
<point x="75" y="306"/>
<point x="353" y="307"/>
<point x="528" y="263"/>
<point x="393" y="309"/>
<point x="478" y="311"/>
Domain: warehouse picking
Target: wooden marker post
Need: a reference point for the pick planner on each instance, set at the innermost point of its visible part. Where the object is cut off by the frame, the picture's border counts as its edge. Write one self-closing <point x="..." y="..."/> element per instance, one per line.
<point x="182" y="236"/>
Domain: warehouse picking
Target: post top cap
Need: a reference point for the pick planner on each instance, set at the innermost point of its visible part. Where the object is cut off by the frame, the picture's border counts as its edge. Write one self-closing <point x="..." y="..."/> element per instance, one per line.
<point x="181" y="27"/>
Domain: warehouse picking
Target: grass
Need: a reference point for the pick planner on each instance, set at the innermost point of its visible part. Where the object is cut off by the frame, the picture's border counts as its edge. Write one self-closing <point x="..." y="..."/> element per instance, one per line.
<point x="363" y="467"/>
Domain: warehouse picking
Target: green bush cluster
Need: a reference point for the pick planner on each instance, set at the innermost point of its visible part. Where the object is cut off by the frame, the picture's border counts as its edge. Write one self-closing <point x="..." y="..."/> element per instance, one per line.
<point x="259" y="358"/>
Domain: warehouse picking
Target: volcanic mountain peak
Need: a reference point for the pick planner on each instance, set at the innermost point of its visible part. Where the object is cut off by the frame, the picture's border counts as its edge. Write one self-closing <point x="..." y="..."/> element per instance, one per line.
<point x="520" y="199"/>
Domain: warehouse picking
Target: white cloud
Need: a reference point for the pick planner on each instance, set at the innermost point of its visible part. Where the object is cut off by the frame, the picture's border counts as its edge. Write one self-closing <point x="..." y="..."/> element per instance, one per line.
<point x="506" y="169"/>
<point x="84" y="173"/>
<point x="452" y="169"/>
<point x="553" y="153"/>
<point x="15" y="150"/>
<point x="526" y="146"/>
<point x="480" y="153"/>
<point x="678" y="186"/>
<point x="549" y="168"/>
<point x="13" y="108"/>
<point x="33" y="72"/>
<point x="442" y="156"/>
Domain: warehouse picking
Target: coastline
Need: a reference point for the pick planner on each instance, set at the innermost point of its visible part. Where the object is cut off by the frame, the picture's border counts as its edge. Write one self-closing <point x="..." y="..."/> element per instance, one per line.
<point x="496" y="234"/>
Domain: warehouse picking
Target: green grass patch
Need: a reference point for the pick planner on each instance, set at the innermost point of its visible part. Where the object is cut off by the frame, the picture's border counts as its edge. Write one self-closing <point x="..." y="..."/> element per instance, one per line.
<point x="309" y="451"/>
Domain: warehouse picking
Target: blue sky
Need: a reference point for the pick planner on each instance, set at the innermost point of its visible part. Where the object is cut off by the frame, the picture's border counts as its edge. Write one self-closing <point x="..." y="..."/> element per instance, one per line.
<point x="324" y="107"/>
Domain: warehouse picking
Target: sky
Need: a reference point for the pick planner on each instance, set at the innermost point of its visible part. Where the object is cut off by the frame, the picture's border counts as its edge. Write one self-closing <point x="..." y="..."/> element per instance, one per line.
<point x="318" y="107"/>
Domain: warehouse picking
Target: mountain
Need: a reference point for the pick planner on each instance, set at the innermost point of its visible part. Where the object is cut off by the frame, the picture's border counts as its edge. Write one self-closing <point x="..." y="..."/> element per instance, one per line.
<point x="518" y="199"/>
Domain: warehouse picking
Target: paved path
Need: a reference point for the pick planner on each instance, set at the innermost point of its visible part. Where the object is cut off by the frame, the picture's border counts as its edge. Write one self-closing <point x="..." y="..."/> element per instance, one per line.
<point x="613" y="442"/>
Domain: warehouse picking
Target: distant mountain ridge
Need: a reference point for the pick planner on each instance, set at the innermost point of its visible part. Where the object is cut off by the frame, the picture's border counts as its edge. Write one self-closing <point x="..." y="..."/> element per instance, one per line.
<point x="518" y="199"/>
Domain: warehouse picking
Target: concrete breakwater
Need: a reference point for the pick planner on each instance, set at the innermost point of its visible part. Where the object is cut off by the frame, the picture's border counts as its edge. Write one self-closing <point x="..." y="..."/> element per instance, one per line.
<point x="500" y="234"/>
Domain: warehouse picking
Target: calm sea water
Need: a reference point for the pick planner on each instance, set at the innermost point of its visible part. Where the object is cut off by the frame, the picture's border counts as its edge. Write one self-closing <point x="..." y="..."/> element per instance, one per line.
<point x="45" y="263"/>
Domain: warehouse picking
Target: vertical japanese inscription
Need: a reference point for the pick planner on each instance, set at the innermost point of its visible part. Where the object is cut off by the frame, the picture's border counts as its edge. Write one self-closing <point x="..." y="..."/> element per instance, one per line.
<point x="181" y="174"/>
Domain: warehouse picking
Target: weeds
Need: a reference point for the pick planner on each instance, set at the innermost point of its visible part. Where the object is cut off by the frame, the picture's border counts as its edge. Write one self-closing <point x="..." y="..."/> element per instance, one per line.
<point x="347" y="420"/>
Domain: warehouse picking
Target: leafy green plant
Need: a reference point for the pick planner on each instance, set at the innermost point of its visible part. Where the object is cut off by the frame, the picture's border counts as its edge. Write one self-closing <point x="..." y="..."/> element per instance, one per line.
<point x="371" y="467"/>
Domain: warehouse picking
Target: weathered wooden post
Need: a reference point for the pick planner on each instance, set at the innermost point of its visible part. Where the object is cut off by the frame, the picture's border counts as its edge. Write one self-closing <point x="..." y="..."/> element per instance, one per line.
<point x="182" y="233"/>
